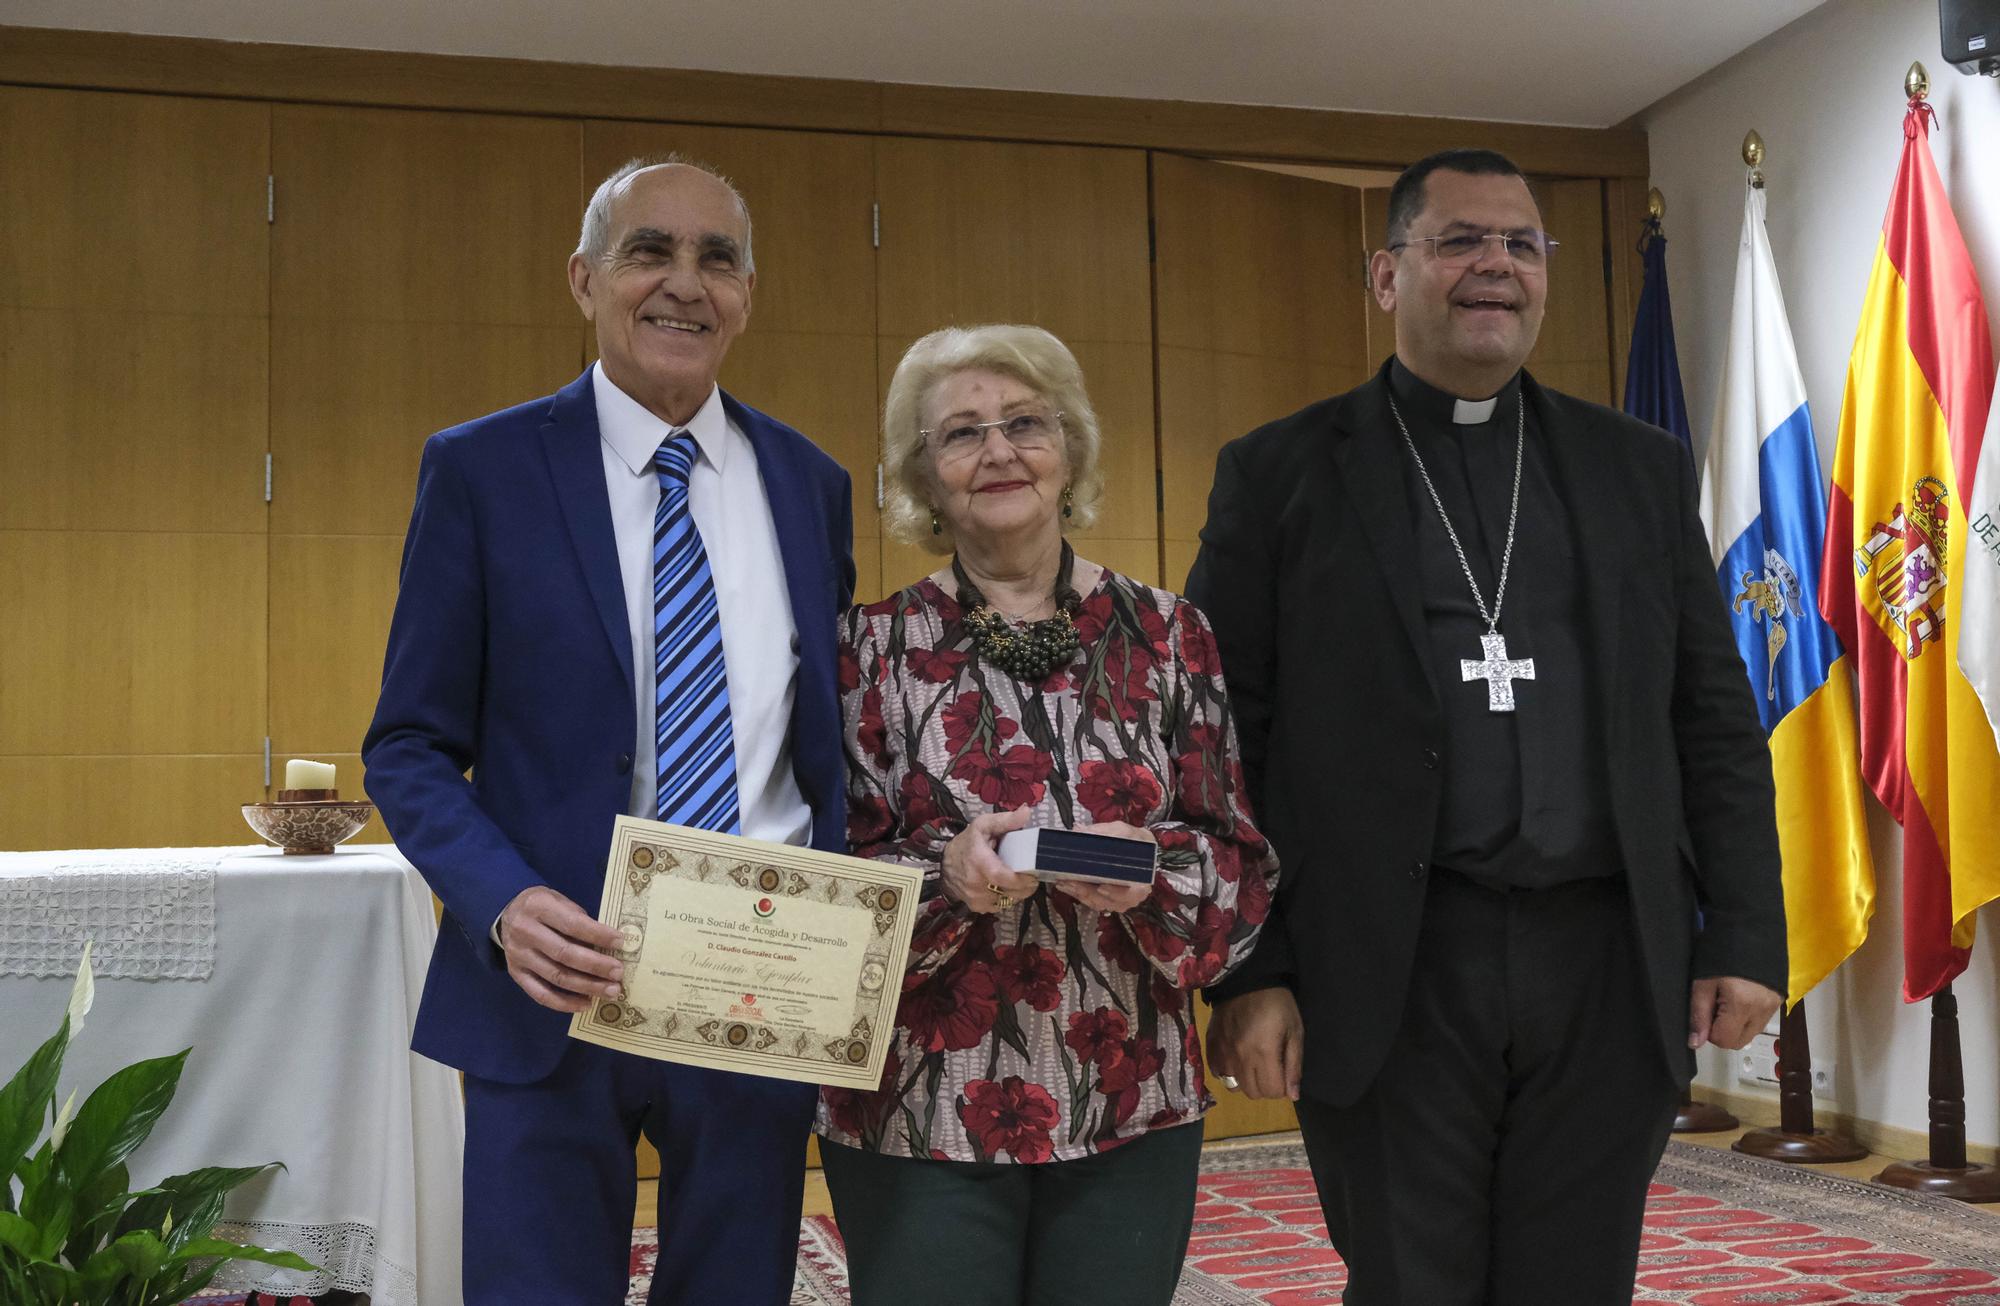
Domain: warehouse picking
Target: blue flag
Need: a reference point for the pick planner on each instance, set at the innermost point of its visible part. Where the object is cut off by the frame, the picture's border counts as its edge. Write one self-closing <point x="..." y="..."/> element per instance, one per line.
<point x="1653" y="370"/>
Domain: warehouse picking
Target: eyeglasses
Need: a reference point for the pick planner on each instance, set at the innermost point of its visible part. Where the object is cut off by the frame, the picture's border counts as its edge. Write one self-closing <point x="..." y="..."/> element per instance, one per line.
<point x="1027" y="432"/>
<point x="1528" y="249"/>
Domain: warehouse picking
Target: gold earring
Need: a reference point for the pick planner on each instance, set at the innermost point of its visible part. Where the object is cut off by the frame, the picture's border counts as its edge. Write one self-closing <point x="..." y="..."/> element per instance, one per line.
<point x="1069" y="501"/>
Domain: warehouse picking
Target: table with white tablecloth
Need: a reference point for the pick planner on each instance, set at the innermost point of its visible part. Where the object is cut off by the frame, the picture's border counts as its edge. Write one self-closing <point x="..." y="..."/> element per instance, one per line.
<point x="295" y="980"/>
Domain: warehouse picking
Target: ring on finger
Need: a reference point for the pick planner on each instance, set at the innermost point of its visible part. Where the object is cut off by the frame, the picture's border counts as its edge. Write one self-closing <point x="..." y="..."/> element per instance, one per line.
<point x="1229" y="1082"/>
<point x="1000" y="896"/>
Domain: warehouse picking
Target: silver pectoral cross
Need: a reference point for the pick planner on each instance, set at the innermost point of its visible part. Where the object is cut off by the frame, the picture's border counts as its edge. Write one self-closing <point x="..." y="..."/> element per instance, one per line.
<point x="1497" y="670"/>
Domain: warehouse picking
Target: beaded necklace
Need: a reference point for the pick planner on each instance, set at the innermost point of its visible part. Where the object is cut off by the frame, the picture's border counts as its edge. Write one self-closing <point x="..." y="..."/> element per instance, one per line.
<point x="1027" y="651"/>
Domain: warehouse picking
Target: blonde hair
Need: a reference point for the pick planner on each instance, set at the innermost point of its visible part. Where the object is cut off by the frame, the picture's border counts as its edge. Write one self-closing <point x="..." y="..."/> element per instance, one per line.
<point x="1028" y="354"/>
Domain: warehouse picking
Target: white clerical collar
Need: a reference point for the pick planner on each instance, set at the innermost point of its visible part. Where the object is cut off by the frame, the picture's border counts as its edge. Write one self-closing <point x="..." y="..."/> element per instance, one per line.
<point x="635" y="434"/>
<point x="1471" y="412"/>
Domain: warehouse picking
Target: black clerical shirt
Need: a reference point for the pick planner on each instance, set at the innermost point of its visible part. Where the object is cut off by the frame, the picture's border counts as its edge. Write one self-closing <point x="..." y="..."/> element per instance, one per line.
<point x="1525" y="802"/>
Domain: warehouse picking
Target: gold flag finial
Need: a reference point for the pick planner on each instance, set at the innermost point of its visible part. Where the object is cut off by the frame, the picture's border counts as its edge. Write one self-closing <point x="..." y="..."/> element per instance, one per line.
<point x="1917" y="82"/>
<point x="1753" y="157"/>
<point x="1656" y="203"/>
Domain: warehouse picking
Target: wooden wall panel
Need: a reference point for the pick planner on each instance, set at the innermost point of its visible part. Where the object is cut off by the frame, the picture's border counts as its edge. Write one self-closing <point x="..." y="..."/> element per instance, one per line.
<point x="133" y="381"/>
<point x="979" y="232"/>
<point x="131" y="642"/>
<point x="176" y="801"/>
<point x="332" y="596"/>
<point x="359" y="398"/>
<point x="1232" y="353"/>
<point x="131" y="203"/>
<point x="132" y="421"/>
<point x="386" y="216"/>
<point x="808" y="355"/>
<point x="1574" y="351"/>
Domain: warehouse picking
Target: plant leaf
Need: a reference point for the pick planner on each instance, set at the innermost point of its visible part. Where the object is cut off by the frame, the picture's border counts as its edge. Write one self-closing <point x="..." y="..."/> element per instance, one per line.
<point x="22" y="1104"/>
<point x="141" y="1255"/>
<point x="97" y="1207"/>
<point x="191" y="1200"/>
<point x="22" y="1236"/>
<point x="117" y="1117"/>
<point x="229" y="1251"/>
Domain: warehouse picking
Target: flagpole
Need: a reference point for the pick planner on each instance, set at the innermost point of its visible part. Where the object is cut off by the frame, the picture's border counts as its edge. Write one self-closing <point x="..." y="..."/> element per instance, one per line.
<point x="1946" y="1173"/>
<point x="1796" y="1139"/>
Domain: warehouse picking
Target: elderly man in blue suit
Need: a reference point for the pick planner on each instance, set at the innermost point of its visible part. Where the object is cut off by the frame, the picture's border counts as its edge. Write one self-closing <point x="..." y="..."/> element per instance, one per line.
<point x="619" y="598"/>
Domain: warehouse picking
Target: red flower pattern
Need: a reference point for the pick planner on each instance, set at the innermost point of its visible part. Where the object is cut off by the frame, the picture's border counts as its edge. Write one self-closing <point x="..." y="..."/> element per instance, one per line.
<point x="1012" y="1116"/>
<point x="951" y="1012"/>
<point x="939" y="667"/>
<point x="1118" y="790"/>
<point x="1091" y="1032"/>
<point x="1030" y="973"/>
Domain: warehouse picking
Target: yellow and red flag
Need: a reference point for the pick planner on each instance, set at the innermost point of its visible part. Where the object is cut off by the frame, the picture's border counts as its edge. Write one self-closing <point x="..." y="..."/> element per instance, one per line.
<point x="1919" y="386"/>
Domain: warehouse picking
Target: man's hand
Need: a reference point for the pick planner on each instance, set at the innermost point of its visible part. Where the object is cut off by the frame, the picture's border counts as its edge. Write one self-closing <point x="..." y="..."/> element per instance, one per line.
<point x="1259" y="1039"/>
<point x="556" y="951"/>
<point x="1728" y="1011"/>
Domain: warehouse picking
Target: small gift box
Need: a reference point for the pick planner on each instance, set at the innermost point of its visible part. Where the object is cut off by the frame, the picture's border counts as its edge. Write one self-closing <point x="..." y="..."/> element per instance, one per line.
<point x="1055" y="854"/>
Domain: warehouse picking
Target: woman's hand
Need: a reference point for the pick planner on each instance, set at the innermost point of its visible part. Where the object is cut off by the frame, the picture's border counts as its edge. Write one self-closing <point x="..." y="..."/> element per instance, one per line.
<point x="1115" y="899"/>
<point x="973" y="872"/>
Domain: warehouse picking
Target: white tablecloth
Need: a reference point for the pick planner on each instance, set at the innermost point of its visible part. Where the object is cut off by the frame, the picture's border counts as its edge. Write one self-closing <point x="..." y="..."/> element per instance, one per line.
<point x="301" y="1042"/>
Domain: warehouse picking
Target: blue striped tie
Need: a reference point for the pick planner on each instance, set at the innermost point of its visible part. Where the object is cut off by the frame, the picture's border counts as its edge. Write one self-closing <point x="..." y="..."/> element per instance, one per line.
<point x="693" y="743"/>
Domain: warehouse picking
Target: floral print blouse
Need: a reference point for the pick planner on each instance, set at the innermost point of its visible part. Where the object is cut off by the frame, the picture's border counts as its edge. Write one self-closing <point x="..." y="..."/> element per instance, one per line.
<point x="1049" y="1031"/>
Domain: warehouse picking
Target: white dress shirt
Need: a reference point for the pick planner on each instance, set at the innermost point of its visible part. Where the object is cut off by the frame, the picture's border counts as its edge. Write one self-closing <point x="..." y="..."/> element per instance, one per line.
<point x="759" y="641"/>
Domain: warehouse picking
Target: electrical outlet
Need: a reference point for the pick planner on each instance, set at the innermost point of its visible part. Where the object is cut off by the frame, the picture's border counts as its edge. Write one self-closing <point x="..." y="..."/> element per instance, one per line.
<point x="1757" y="1063"/>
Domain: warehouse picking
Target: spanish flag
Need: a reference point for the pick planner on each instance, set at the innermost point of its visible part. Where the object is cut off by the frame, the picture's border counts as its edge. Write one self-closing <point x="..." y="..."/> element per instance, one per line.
<point x="1919" y="386"/>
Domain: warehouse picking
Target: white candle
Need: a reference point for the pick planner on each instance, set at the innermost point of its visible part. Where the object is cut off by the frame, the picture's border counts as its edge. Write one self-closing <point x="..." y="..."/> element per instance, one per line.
<point x="300" y="774"/>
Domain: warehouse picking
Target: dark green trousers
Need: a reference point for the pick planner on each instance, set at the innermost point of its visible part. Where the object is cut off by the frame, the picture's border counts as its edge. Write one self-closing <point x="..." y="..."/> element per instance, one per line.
<point x="1104" y="1230"/>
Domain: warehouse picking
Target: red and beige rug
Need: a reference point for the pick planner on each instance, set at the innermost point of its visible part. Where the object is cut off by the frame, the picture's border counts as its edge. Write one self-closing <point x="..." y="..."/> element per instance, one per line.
<point x="1721" y="1230"/>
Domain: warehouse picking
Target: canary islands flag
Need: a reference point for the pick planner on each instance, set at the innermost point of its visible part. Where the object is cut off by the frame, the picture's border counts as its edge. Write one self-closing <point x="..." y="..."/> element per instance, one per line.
<point x="1898" y="549"/>
<point x="1763" y="500"/>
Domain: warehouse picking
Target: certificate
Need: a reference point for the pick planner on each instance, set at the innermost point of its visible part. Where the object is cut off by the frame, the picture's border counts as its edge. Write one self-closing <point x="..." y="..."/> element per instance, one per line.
<point x="756" y="957"/>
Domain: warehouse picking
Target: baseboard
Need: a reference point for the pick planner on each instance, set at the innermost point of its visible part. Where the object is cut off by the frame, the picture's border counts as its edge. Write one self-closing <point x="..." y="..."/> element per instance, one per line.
<point x="1761" y="1110"/>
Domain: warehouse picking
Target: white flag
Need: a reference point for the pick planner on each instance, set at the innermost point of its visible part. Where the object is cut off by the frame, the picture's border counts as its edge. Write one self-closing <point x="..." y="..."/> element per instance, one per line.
<point x="1979" y="641"/>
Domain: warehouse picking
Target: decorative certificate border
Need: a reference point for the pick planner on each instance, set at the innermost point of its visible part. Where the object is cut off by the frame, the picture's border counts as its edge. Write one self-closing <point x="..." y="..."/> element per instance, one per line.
<point x="650" y="857"/>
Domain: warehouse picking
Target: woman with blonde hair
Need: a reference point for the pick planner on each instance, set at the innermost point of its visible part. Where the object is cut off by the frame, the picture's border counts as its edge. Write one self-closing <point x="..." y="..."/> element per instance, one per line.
<point x="1035" y="1137"/>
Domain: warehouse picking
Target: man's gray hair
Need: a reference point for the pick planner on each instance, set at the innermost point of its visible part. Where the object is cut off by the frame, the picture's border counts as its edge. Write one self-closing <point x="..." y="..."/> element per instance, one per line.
<point x="595" y="241"/>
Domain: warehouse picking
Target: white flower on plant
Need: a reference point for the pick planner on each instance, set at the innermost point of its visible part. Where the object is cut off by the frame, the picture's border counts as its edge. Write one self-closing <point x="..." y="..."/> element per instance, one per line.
<point x="63" y="1119"/>
<point x="82" y="993"/>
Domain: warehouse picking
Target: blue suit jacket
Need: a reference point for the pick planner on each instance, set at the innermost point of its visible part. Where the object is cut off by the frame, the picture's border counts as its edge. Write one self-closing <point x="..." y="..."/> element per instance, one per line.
<point x="510" y="655"/>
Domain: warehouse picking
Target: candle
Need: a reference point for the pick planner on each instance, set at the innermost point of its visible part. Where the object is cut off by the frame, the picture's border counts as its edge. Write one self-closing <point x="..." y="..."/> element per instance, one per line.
<point x="301" y="774"/>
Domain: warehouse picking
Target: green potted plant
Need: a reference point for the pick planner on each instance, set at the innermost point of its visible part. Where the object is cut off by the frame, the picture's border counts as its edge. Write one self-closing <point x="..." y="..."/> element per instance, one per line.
<point x="71" y="1234"/>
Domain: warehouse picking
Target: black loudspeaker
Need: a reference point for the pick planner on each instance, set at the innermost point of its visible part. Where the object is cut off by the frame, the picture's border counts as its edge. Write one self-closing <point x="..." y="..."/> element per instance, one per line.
<point x="1969" y="34"/>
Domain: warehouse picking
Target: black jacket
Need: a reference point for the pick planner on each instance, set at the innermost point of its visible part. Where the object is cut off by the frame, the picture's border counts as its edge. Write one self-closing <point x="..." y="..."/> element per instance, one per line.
<point x="1307" y="572"/>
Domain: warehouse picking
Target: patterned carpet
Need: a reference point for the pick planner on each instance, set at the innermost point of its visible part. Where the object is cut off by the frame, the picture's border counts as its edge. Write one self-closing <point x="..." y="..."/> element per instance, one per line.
<point x="1721" y="1230"/>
